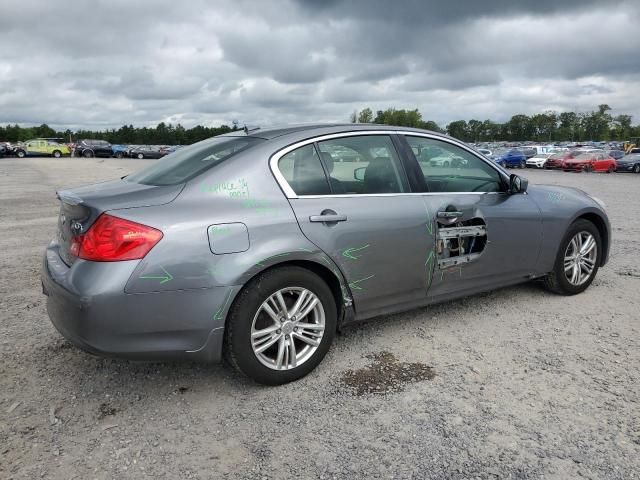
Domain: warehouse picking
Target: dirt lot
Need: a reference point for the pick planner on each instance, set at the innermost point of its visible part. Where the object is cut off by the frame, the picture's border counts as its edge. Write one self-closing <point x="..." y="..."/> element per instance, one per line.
<point x="516" y="383"/>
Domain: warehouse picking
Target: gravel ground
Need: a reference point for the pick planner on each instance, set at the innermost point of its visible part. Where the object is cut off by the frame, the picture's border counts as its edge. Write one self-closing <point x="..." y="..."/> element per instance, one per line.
<point x="517" y="383"/>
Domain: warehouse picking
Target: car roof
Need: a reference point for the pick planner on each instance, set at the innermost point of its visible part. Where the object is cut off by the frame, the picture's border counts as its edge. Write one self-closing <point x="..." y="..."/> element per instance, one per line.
<point x="321" y="129"/>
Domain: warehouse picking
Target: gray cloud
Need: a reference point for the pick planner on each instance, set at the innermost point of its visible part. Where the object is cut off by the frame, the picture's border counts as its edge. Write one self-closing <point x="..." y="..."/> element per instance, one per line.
<point x="106" y="63"/>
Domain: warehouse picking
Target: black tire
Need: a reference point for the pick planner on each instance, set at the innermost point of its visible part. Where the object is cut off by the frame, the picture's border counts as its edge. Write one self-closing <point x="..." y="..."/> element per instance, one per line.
<point x="140" y="156"/>
<point x="238" y="351"/>
<point x="87" y="153"/>
<point x="523" y="164"/>
<point x="636" y="168"/>
<point x="611" y="169"/>
<point x="556" y="280"/>
<point x="21" y="154"/>
<point x="57" y="154"/>
<point x="445" y="164"/>
<point x="119" y="154"/>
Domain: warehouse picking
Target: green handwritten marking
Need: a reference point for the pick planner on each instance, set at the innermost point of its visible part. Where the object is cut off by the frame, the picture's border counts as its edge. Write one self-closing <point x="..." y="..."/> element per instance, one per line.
<point x="430" y="228"/>
<point x="355" y="284"/>
<point x="429" y="258"/>
<point x="350" y="251"/>
<point x="167" y="277"/>
<point x="237" y="188"/>
<point x="218" y="314"/>
<point x="219" y="230"/>
<point x="429" y="265"/>
<point x="555" y="197"/>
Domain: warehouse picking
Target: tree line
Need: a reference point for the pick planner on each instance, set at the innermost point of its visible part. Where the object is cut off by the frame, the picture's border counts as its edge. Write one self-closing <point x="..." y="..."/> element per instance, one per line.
<point x="549" y="126"/>
<point x="162" y="134"/>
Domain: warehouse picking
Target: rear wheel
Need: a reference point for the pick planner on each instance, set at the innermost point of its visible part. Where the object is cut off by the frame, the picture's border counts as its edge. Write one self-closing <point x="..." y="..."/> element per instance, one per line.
<point x="611" y="169"/>
<point x="140" y="156"/>
<point x="636" y="168"/>
<point x="87" y="154"/>
<point x="523" y="164"/>
<point x="57" y="154"/>
<point x="119" y="154"/>
<point x="21" y="153"/>
<point x="577" y="261"/>
<point x="281" y="326"/>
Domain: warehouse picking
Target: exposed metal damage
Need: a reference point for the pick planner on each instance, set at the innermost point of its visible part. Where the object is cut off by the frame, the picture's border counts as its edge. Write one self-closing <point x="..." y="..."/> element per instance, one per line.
<point x="461" y="242"/>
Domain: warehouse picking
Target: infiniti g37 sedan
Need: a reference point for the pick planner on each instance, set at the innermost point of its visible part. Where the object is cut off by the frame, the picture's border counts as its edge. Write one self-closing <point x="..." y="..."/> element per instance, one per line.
<point x="257" y="246"/>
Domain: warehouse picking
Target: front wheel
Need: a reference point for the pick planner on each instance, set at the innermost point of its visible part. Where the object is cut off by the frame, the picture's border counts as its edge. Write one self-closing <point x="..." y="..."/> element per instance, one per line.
<point x="57" y="154"/>
<point x="577" y="261"/>
<point x="281" y="326"/>
<point x="523" y="164"/>
<point x="636" y="168"/>
<point x="21" y="153"/>
<point x="87" y="154"/>
<point x="140" y="156"/>
<point x="611" y="169"/>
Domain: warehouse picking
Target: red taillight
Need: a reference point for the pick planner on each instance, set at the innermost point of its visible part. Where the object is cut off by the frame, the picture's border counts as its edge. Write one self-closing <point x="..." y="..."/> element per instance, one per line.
<point x="111" y="239"/>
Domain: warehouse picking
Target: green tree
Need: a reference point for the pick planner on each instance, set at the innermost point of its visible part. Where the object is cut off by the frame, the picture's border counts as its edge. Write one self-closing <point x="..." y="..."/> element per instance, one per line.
<point x="365" y="116"/>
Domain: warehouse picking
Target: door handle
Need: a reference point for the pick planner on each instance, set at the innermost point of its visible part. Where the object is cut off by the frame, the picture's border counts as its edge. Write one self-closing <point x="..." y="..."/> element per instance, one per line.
<point x="328" y="218"/>
<point x="453" y="214"/>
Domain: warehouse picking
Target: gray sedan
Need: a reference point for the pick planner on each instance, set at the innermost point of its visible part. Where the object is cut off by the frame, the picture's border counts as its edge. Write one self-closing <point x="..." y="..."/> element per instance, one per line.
<point x="257" y="246"/>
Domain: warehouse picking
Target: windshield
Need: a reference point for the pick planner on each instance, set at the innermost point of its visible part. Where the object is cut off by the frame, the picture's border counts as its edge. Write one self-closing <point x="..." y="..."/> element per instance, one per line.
<point x="188" y="162"/>
<point x="584" y="156"/>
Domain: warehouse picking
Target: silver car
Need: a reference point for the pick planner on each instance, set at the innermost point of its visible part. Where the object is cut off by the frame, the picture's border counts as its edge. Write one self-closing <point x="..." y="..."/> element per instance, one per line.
<point x="257" y="246"/>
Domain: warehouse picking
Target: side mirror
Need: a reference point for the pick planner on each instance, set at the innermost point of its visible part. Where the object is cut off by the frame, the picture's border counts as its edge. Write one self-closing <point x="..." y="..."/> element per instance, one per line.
<point x="358" y="174"/>
<point x="517" y="184"/>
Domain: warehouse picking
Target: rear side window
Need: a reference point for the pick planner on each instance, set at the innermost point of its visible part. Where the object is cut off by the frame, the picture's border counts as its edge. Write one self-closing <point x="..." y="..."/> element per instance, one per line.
<point x="303" y="171"/>
<point x="363" y="164"/>
<point x="189" y="162"/>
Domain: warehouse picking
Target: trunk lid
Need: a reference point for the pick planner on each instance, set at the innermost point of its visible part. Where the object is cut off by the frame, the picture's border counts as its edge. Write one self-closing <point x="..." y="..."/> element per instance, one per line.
<point x="79" y="207"/>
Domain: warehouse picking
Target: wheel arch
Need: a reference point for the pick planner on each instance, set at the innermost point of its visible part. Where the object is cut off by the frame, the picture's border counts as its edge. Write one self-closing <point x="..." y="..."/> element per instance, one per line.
<point x="603" y="229"/>
<point x="343" y="304"/>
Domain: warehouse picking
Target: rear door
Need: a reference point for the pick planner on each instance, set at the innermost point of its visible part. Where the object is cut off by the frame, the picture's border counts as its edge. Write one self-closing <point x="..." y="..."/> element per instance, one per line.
<point x="484" y="237"/>
<point x="351" y="198"/>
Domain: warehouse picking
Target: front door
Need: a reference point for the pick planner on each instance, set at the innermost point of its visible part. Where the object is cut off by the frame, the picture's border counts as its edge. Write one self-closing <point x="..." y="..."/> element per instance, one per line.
<point x="484" y="237"/>
<point x="354" y="205"/>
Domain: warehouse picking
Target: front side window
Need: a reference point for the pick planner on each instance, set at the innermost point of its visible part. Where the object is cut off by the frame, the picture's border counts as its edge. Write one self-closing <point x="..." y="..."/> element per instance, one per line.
<point x="363" y="164"/>
<point x="449" y="168"/>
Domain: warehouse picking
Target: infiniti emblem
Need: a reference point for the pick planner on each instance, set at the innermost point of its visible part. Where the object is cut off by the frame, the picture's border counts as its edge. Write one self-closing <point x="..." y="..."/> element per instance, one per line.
<point x="76" y="227"/>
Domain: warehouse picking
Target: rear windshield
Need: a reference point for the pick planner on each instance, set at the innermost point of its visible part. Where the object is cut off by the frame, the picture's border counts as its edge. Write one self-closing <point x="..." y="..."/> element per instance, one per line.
<point x="188" y="162"/>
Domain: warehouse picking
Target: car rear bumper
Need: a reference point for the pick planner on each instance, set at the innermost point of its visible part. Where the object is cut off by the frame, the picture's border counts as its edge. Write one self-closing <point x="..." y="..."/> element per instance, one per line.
<point x="98" y="317"/>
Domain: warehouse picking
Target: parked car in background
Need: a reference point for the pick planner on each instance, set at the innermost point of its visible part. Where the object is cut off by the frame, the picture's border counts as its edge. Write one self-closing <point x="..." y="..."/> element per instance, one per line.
<point x="529" y="152"/>
<point x="120" y="151"/>
<point x="557" y="160"/>
<point x="629" y="163"/>
<point x="40" y="147"/>
<point x="510" y="158"/>
<point x="596" y="161"/>
<point x="147" y="151"/>
<point x="616" y="154"/>
<point x="93" y="148"/>
<point x="539" y="160"/>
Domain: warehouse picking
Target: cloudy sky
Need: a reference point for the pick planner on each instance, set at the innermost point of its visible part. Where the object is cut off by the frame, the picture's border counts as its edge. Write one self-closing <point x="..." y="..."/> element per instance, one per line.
<point x="105" y="63"/>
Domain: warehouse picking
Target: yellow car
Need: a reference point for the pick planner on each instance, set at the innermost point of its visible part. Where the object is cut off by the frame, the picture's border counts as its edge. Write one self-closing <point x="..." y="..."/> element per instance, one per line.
<point x="41" y="147"/>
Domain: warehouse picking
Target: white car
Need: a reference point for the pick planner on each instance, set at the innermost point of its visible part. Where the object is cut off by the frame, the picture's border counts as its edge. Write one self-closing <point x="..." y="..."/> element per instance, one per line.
<point x="539" y="160"/>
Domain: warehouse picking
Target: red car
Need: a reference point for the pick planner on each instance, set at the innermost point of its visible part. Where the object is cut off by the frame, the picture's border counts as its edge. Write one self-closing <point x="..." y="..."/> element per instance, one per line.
<point x="590" y="162"/>
<point x="557" y="159"/>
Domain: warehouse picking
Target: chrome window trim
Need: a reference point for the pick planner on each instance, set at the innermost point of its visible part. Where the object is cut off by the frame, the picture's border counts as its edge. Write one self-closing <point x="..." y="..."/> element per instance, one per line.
<point x="290" y="194"/>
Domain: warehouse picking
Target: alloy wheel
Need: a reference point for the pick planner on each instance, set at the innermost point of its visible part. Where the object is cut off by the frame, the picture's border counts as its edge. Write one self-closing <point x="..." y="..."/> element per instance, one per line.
<point x="287" y="329"/>
<point x="580" y="258"/>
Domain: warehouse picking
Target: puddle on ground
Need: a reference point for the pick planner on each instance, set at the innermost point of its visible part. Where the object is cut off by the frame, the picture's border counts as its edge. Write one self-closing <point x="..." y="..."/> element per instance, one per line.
<point x="385" y="375"/>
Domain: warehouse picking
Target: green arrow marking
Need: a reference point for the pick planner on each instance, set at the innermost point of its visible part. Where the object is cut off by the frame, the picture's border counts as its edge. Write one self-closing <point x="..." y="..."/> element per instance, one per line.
<point x="354" y="285"/>
<point x="349" y="251"/>
<point x="430" y="228"/>
<point x="218" y="314"/>
<point x="167" y="277"/>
